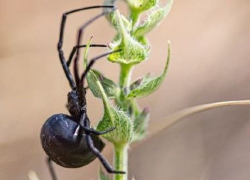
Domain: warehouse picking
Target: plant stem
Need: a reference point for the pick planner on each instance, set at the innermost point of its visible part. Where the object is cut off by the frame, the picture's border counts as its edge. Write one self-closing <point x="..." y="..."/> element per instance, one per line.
<point x="135" y="107"/>
<point x="121" y="161"/>
<point x="134" y="17"/>
<point x="125" y="75"/>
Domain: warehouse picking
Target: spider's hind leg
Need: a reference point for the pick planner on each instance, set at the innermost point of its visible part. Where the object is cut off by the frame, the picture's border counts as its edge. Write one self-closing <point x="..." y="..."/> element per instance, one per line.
<point x="106" y="165"/>
<point x="85" y="124"/>
<point x="93" y="131"/>
<point x="51" y="169"/>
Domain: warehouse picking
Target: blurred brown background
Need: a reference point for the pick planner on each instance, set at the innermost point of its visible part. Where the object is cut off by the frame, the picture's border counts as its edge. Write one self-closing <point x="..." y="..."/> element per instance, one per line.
<point x="210" y="62"/>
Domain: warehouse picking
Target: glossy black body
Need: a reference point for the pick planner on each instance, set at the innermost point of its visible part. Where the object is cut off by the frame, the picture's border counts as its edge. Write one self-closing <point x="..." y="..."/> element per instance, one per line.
<point x="64" y="141"/>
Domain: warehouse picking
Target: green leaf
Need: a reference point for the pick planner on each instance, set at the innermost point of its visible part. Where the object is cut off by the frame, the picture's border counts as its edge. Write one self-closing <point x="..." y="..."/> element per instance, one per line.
<point x="109" y="2"/>
<point x="123" y="126"/>
<point x="132" y="51"/>
<point x="148" y="84"/>
<point x="113" y="19"/>
<point x="143" y="40"/>
<point x="154" y="18"/>
<point x="86" y="53"/>
<point x="141" y="5"/>
<point x="103" y="176"/>
<point x="113" y="117"/>
<point x="141" y="125"/>
<point x="110" y="88"/>
<point x="138" y="82"/>
<point x="112" y="16"/>
<point x="115" y="42"/>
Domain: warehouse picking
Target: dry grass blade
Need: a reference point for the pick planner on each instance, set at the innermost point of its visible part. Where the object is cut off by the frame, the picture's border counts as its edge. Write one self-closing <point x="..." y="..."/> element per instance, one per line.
<point x="182" y="114"/>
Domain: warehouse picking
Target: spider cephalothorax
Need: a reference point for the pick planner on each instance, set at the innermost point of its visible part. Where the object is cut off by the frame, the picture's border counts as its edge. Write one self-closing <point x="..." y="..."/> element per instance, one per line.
<point x="70" y="141"/>
<point x="74" y="104"/>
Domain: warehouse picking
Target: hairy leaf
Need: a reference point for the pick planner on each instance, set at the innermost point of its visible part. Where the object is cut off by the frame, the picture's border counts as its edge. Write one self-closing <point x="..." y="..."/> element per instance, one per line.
<point x="109" y="86"/>
<point x="141" y="5"/>
<point x="148" y="84"/>
<point x="141" y="125"/>
<point x="113" y="117"/>
<point x="154" y="18"/>
<point x="112" y="16"/>
<point x="123" y="126"/>
<point x="132" y="51"/>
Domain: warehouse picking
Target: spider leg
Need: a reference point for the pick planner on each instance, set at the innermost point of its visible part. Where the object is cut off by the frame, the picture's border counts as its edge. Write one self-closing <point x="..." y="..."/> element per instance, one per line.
<point x="91" y="63"/>
<point x="99" y="155"/>
<point x="93" y="131"/>
<point x="60" y="43"/>
<point x="79" y="37"/>
<point x="86" y="88"/>
<point x="81" y="46"/>
<point x="51" y="169"/>
<point x="85" y="125"/>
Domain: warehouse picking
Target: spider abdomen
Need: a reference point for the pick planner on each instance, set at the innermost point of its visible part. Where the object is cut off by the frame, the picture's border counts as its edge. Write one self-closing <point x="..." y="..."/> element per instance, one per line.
<point x="64" y="142"/>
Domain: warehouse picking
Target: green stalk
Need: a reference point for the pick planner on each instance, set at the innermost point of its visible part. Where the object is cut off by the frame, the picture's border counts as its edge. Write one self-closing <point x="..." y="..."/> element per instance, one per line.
<point x="121" y="150"/>
<point x="121" y="161"/>
<point x="125" y="75"/>
<point x="135" y="107"/>
<point x="125" y="78"/>
<point x="134" y="16"/>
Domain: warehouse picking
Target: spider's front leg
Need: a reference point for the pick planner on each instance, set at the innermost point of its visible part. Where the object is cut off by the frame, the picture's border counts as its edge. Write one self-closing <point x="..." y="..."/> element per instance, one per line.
<point x="81" y="46"/>
<point x="60" y="42"/>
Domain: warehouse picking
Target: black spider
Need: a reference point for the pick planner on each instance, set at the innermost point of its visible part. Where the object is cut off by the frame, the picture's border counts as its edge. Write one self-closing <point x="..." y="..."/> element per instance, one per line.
<point x="69" y="140"/>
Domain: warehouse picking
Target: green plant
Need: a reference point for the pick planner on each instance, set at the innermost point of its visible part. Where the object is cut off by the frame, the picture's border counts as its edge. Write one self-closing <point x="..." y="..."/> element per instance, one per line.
<point x="120" y="99"/>
<point x="130" y="120"/>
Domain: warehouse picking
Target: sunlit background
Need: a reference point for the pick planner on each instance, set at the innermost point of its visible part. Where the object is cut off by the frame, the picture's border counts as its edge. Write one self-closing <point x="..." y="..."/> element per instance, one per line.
<point x="210" y="62"/>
